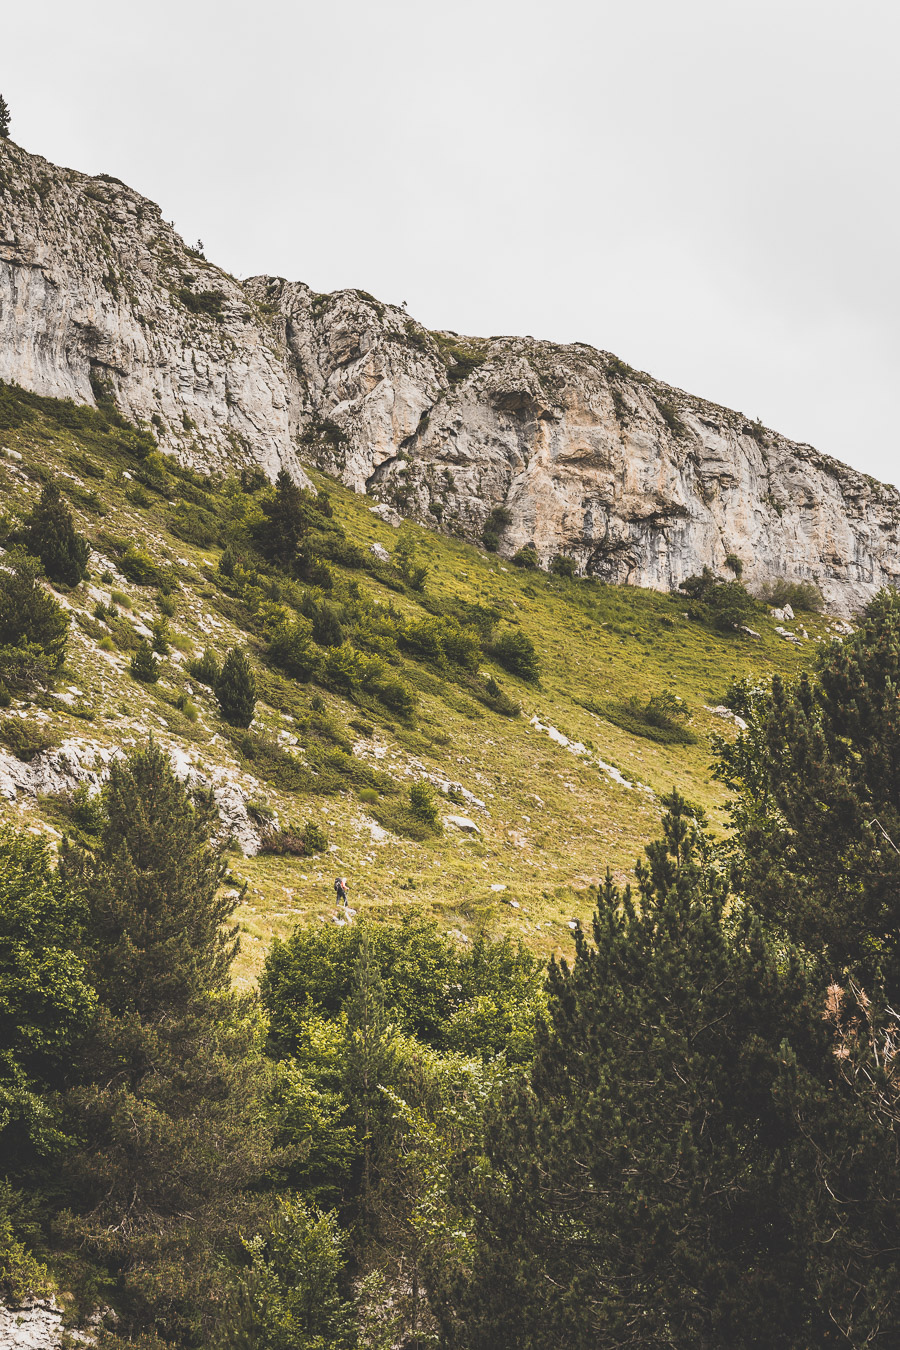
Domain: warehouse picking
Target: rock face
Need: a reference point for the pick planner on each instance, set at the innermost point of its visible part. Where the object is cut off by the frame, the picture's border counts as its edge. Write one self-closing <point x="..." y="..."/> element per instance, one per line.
<point x="563" y="448"/>
<point x="98" y="292"/>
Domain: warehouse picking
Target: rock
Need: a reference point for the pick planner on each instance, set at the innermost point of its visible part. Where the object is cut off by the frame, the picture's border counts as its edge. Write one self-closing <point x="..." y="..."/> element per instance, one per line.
<point x="380" y="552"/>
<point x="778" y="615"/>
<point x="789" y="636"/>
<point x="12" y="454"/>
<point x="721" y="711"/>
<point x="583" y="453"/>
<point x="788" y="612"/>
<point x="77" y="762"/>
<point x="751" y="632"/>
<point x="387" y="514"/>
<point x="36" y="1324"/>
<point x="462" y="823"/>
<point x="498" y="885"/>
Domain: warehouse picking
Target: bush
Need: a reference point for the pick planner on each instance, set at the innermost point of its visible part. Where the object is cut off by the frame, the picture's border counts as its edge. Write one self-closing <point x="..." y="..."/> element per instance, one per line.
<point x="726" y="604"/>
<point x="561" y="566"/>
<point x="527" y="558"/>
<point x="798" y="594"/>
<point x="422" y="803"/>
<point x="51" y="536"/>
<point x="25" y="739"/>
<point x="494" y="526"/>
<point x="195" y="526"/>
<point x="236" y="689"/>
<point x="293" y="842"/>
<point x="144" y="665"/>
<point x="33" y="627"/>
<point x="121" y="599"/>
<point x="161" y="635"/>
<point x="516" y="653"/>
<point x="137" y="565"/>
<point x="205" y="668"/>
<point x="292" y="649"/>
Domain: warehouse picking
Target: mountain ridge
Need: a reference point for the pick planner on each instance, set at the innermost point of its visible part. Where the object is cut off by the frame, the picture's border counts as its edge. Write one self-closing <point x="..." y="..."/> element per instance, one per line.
<point x="516" y="441"/>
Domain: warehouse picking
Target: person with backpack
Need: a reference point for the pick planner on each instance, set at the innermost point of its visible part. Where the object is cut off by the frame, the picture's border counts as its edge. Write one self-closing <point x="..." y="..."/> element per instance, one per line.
<point x="340" y="892"/>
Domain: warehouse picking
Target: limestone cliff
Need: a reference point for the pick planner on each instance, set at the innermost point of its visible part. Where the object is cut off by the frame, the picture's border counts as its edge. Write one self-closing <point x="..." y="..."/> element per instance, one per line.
<point x="572" y="450"/>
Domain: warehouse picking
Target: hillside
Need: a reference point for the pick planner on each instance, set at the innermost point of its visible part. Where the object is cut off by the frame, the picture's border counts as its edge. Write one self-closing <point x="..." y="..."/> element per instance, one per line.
<point x="521" y="442"/>
<point x="550" y="817"/>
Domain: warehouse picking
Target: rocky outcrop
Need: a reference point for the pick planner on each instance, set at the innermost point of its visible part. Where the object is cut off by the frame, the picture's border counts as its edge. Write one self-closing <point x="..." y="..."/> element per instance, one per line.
<point x="98" y="293"/>
<point x="574" y="453"/>
<point x="563" y="448"/>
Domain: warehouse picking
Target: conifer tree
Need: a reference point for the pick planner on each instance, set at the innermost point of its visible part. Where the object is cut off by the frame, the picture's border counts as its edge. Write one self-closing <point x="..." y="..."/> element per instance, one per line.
<point x="144" y="666"/>
<point x="816" y="812"/>
<point x="156" y="915"/>
<point x="285" y="523"/>
<point x="652" y="1184"/>
<point x="168" y="1096"/>
<point x="50" y="535"/>
<point x="4" y="119"/>
<point x="236" y="688"/>
<point x="33" y="627"/>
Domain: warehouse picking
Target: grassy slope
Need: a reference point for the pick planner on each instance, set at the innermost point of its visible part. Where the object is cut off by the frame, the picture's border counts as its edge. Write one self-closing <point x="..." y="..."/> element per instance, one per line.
<point x="554" y="822"/>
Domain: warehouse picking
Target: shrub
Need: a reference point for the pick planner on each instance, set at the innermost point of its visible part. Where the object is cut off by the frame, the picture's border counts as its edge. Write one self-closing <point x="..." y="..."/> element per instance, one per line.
<point x="121" y="599"/>
<point x="33" y="627"/>
<point x="161" y="635"/>
<point x="497" y="699"/>
<point x="291" y="647"/>
<point x="368" y="795"/>
<point x="51" y="536"/>
<point x="236" y="689"/>
<point x="166" y="605"/>
<point x="137" y="565"/>
<point x="494" y="526"/>
<point x="734" y="564"/>
<point x="25" y="739"/>
<point x="526" y="557"/>
<point x="207" y="303"/>
<point x="195" y="526"/>
<point x="561" y="566"/>
<point x="394" y="694"/>
<point x="293" y="842"/>
<point x="189" y="709"/>
<point x="106" y="644"/>
<point x="422" y="803"/>
<point x="798" y="594"/>
<point x="516" y="653"/>
<point x="205" y="668"/>
<point x="144" y="665"/>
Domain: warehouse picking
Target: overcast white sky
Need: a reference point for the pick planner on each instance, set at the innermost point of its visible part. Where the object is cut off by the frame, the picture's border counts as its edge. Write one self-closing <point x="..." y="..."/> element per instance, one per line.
<point x="707" y="188"/>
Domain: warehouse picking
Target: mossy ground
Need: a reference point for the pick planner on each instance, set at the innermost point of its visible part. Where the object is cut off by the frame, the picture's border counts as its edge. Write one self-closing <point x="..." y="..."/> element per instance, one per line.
<point x="554" y="821"/>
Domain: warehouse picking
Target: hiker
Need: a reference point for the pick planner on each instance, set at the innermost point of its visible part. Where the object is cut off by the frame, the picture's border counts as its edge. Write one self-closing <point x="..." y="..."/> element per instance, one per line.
<point x="340" y="891"/>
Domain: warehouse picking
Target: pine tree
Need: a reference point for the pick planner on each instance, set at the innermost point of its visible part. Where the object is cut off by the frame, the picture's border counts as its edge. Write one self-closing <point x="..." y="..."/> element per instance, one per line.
<point x="33" y="627"/>
<point x="236" y="689"/>
<point x="153" y="891"/>
<point x="286" y="515"/>
<point x="168" y="1095"/>
<point x="652" y="1183"/>
<point x="4" y="119"/>
<point x="50" y="535"/>
<point x="144" y="666"/>
<point x="816" y="812"/>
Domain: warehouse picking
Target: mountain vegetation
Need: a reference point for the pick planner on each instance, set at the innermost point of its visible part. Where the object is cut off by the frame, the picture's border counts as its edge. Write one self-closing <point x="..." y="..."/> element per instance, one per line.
<point x="524" y="1091"/>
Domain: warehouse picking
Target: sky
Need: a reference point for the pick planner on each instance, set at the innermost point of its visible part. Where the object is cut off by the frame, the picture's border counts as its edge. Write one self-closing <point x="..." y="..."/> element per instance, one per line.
<point x="707" y="188"/>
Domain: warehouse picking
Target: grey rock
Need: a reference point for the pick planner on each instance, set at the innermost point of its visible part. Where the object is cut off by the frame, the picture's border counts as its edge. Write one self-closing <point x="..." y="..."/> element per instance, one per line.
<point x="462" y="823"/>
<point x="633" y="480"/>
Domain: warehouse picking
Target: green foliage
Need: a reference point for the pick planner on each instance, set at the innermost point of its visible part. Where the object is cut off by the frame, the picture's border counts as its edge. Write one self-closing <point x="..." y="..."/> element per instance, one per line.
<point x="683" y="1060"/>
<point x="669" y="414"/>
<point x="296" y="843"/>
<point x="422" y="803"/>
<point x="661" y="717"/>
<point x="236" y="688"/>
<point x="4" y="119"/>
<point x="46" y="1002"/>
<point x="414" y="573"/>
<point x="136" y="564"/>
<point x="195" y="526"/>
<point x="816" y="812"/>
<point x="51" y="536"/>
<point x="205" y="668"/>
<point x="803" y="595"/>
<point x="727" y="605"/>
<point x="207" y="303"/>
<point x="561" y="566"/>
<point x="516" y="652"/>
<point x="296" y="1278"/>
<point x="435" y="992"/>
<point x="33" y="627"/>
<point x="498" y="519"/>
<point x="734" y="564"/>
<point x="161" y="635"/>
<point x="25" y="739"/>
<point x="144" y="666"/>
<point x="527" y="558"/>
